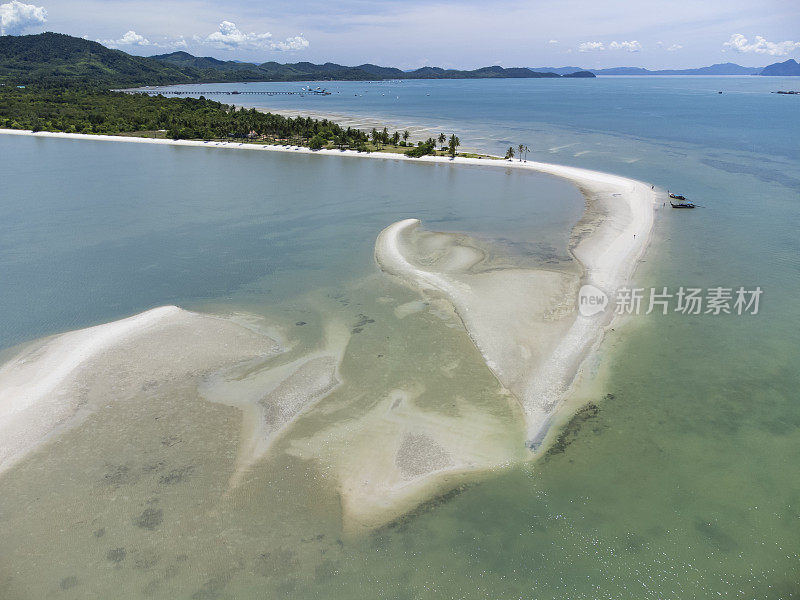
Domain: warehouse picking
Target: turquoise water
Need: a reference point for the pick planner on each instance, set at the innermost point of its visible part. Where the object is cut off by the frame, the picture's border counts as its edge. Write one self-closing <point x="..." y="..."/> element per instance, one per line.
<point x="487" y="113"/>
<point x="102" y="240"/>
<point x="682" y="482"/>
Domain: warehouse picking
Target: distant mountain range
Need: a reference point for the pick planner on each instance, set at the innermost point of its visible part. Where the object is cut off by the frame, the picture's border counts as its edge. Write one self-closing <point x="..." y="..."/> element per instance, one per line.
<point x="718" y="69"/>
<point x="54" y="58"/>
<point x="306" y="71"/>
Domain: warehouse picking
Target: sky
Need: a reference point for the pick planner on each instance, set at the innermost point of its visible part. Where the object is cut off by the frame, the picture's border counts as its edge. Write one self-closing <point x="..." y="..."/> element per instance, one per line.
<point x="447" y="33"/>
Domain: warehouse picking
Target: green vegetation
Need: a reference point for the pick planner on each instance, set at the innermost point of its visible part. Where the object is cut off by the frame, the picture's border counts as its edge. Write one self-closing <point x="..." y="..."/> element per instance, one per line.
<point x="422" y="149"/>
<point x="86" y="110"/>
<point x="57" y="59"/>
<point x="453" y="144"/>
<point x="91" y="111"/>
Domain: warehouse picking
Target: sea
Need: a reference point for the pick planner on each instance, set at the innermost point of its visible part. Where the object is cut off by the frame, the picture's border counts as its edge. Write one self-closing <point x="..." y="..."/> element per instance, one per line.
<point x="677" y="477"/>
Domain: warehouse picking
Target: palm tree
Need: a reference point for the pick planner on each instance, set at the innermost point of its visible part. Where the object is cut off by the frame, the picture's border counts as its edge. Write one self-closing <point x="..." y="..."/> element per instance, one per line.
<point x="405" y="135"/>
<point x="526" y="153"/>
<point x="520" y="150"/>
<point x="454" y="143"/>
<point x="510" y="153"/>
<point x="442" y="138"/>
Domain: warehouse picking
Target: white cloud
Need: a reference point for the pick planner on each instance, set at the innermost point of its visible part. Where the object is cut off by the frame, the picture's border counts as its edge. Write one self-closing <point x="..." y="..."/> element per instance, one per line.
<point x="589" y="46"/>
<point x="674" y="47"/>
<point x="739" y="43"/>
<point x="15" y="17"/>
<point x="632" y="46"/>
<point x="131" y="38"/>
<point x="228" y="36"/>
<point x="552" y="42"/>
<point x="297" y="42"/>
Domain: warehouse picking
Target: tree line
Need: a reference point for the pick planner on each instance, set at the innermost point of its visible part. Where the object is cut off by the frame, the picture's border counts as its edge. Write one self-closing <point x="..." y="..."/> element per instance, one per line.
<point x="90" y="110"/>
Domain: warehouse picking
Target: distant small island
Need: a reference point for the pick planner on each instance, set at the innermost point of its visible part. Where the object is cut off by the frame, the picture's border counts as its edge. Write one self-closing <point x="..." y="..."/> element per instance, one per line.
<point x="783" y="69"/>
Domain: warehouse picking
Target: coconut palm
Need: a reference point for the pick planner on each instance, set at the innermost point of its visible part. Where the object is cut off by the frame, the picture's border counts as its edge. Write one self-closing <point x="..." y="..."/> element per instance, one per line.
<point x="454" y="143"/>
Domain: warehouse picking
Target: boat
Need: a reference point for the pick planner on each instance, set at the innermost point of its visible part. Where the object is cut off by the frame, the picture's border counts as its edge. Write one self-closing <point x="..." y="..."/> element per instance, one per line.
<point x="676" y="197"/>
<point x="681" y="205"/>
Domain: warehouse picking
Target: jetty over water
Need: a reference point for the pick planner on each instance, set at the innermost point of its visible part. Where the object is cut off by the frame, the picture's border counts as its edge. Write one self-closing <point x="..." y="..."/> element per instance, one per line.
<point x="228" y="92"/>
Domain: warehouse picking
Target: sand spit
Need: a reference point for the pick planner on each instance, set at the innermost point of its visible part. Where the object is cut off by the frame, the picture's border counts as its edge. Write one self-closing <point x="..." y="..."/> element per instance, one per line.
<point x="274" y="394"/>
<point x="53" y="383"/>
<point x="525" y="322"/>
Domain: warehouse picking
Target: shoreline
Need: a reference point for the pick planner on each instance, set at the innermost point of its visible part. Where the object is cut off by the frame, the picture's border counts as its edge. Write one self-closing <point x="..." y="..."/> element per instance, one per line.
<point x="609" y="255"/>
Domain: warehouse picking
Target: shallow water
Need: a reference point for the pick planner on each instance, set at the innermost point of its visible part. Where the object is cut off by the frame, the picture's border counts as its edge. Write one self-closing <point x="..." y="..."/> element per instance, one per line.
<point x="680" y="482"/>
<point x="139" y="493"/>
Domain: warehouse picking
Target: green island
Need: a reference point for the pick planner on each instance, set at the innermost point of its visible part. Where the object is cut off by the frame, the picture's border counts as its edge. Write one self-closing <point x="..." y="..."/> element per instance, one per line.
<point x="54" y="82"/>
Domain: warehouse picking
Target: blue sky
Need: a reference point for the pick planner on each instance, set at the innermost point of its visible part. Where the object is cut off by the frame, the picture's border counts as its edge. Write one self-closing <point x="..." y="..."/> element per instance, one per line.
<point x="449" y="33"/>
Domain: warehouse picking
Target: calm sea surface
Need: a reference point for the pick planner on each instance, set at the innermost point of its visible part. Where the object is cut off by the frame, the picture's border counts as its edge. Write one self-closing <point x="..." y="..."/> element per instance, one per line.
<point x="682" y="483"/>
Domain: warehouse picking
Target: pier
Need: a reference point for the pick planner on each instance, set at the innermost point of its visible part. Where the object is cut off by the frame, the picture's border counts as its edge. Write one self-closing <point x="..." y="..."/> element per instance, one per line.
<point x="229" y="92"/>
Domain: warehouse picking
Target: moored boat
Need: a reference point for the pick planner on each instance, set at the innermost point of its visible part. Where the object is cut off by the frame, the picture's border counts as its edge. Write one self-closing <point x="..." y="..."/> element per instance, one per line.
<point x="682" y="205"/>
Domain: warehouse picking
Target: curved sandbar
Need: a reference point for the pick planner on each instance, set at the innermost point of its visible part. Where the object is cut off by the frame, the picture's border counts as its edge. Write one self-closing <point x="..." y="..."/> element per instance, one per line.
<point x="534" y="349"/>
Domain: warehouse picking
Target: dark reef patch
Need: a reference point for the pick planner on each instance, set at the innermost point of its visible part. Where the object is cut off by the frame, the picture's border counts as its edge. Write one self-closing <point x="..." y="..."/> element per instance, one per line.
<point x="118" y="475"/>
<point x="277" y="562"/>
<point x="149" y="519"/>
<point x="175" y="475"/>
<point x="715" y="535"/>
<point x="68" y="582"/>
<point x="569" y="433"/>
<point x="116" y="555"/>
<point x="363" y="321"/>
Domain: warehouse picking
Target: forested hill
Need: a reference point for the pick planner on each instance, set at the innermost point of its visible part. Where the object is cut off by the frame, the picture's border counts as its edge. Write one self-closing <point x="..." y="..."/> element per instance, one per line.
<point x="57" y="59"/>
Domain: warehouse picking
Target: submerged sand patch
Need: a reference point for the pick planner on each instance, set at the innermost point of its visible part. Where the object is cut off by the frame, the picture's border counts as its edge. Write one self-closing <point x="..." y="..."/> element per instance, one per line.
<point x="274" y="394"/>
<point x="52" y="384"/>
<point x="399" y="452"/>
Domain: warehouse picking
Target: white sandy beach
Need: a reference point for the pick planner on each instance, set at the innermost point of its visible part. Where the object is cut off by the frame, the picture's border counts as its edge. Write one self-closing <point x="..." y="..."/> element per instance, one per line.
<point x="532" y="340"/>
